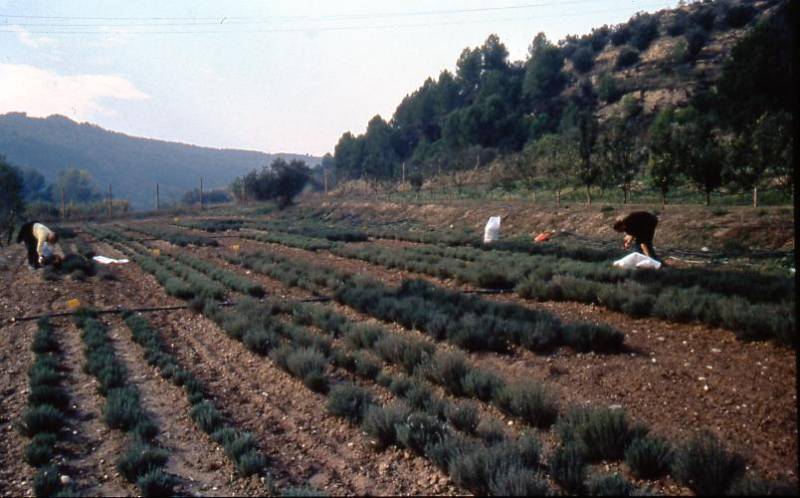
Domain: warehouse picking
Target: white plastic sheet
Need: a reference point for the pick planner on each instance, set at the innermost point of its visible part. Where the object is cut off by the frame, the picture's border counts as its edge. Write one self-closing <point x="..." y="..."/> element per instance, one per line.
<point x="637" y="260"/>
<point x="492" y="231"/>
<point x="103" y="260"/>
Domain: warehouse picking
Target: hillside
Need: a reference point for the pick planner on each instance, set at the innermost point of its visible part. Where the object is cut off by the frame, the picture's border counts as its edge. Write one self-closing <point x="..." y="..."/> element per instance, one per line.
<point x="639" y="105"/>
<point x="131" y="165"/>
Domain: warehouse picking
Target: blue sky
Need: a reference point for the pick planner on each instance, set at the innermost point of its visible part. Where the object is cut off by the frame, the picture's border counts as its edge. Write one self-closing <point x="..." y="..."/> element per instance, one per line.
<point x="275" y="76"/>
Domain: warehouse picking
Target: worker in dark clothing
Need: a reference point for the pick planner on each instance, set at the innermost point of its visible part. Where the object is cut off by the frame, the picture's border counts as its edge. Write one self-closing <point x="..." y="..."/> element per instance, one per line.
<point x="639" y="228"/>
<point x="38" y="240"/>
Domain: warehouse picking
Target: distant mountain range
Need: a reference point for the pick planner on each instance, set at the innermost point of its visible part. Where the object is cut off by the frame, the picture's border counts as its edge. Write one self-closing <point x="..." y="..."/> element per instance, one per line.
<point x="132" y="165"/>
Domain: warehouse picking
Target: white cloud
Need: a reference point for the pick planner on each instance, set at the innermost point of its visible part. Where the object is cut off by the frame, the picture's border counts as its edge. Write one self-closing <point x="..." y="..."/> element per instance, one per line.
<point x="31" y="39"/>
<point x="39" y="92"/>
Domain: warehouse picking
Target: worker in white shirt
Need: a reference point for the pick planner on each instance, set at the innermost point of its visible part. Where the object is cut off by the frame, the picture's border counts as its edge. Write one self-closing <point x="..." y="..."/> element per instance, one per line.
<point x="37" y="239"/>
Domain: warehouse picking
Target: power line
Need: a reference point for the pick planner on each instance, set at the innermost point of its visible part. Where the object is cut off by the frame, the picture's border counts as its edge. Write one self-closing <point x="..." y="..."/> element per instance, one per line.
<point x="109" y="29"/>
<point x="261" y="20"/>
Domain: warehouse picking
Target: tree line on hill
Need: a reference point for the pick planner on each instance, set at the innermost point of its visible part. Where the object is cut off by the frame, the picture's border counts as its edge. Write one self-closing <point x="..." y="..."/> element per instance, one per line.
<point x="541" y="120"/>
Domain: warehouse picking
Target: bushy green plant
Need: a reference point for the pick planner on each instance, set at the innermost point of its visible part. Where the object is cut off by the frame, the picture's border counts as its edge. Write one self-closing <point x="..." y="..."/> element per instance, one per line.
<point x="251" y="462"/>
<point x="649" y="457"/>
<point x="366" y="366"/>
<point x="349" y="401"/>
<point x="419" y="430"/>
<point x="380" y="421"/>
<point x="602" y="433"/>
<point x="519" y="481"/>
<point x="568" y="467"/>
<point x="463" y="416"/>
<point x="529" y="401"/>
<point x="448" y="369"/>
<point x="206" y="416"/>
<point x="41" y="448"/>
<point x="54" y="396"/>
<point x="627" y="57"/>
<point x="46" y="481"/>
<point x="42" y="418"/>
<point x="140" y="459"/>
<point x="123" y="409"/>
<point x="156" y="483"/>
<point x="610" y="485"/>
<point x="482" y="385"/>
<point x="308" y="364"/>
<point x="584" y="337"/>
<point x="748" y="486"/>
<point x="705" y="465"/>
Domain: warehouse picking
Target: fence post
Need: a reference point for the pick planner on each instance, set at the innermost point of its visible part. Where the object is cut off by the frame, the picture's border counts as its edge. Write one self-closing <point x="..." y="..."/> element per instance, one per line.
<point x="201" y="193"/>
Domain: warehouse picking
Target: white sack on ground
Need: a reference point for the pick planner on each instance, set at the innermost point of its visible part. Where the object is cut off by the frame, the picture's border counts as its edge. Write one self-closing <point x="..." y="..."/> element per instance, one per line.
<point x="492" y="231"/>
<point x="637" y="260"/>
<point x="109" y="261"/>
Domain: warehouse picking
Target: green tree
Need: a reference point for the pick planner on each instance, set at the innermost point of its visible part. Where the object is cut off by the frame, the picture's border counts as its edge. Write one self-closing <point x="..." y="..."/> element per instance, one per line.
<point x="78" y="186"/>
<point x="585" y="134"/>
<point x="700" y="152"/>
<point x="468" y="72"/>
<point x="34" y="187"/>
<point x="621" y="153"/>
<point x="665" y="156"/>
<point x="544" y="77"/>
<point x="11" y="205"/>
<point x="762" y="152"/>
<point x="554" y="158"/>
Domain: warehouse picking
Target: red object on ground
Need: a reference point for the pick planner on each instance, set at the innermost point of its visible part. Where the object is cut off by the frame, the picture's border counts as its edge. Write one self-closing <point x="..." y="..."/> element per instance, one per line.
<point x="542" y="237"/>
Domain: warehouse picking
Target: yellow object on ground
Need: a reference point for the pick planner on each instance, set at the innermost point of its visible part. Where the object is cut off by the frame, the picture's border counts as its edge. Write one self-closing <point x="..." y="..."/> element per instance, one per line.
<point x="73" y="304"/>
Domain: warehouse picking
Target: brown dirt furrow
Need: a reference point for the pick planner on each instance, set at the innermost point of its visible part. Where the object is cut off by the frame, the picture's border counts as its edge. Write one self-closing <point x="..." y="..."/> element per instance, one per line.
<point x="295" y="416"/>
<point x="314" y="447"/>
<point x="680" y="378"/>
<point x="93" y="448"/>
<point x="197" y="461"/>
<point x="15" y="359"/>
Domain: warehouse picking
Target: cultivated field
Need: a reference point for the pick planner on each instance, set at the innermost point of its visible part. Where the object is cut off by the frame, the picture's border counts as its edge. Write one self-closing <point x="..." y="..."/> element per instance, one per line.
<point x="305" y="355"/>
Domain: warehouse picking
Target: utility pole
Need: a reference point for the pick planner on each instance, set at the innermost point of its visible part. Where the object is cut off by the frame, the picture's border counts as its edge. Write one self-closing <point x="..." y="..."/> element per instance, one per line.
<point x="201" y="193"/>
<point x="158" y="201"/>
<point x="110" y="201"/>
<point x="403" y="181"/>
<point x="63" y="211"/>
<point x="325" y="179"/>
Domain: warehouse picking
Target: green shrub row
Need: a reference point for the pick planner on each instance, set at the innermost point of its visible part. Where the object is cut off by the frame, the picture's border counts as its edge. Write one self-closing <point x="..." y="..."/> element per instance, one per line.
<point x="239" y="446"/>
<point x="566" y="259"/>
<point x="636" y="293"/>
<point x="213" y="225"/>
<point x="142" y="462"/>
<point x="331" y="232"/>
<point x="415" y="428"/>
<point x="469" y="322"/>
<point x="287" y="239"/>
<point x="45" y="416"/>
<point x="227" y="278"/>
<point x="176" y="237"/>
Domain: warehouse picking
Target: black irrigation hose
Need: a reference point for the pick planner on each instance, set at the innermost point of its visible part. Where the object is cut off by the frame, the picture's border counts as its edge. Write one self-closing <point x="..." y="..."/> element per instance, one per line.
<point x="322" y="299"/>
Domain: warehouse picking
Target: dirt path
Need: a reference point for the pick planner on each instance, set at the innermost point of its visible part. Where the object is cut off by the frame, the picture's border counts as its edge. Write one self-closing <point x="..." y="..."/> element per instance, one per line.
<point x="680" y="378"/>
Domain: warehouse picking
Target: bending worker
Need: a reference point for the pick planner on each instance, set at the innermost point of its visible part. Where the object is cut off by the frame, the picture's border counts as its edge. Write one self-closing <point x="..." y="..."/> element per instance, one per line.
<point x="36" y="238"/>
<point x="639" y="228"/>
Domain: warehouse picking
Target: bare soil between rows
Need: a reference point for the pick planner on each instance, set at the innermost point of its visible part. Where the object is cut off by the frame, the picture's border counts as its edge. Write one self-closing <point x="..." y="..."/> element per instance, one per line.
<point x="678" y="378"/>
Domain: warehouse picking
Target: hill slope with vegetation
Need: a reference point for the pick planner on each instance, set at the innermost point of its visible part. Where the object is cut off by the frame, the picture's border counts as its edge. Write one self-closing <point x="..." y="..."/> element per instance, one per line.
<point x="132" y="165"/>
<point x="698" y="97"/>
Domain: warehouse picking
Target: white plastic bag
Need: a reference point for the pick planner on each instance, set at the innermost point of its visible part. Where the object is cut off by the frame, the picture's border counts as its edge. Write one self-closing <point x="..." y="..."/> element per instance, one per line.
<point x="103" y="260"/>
<point x="637" y="260"/>
<point x="492" y="231"/>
